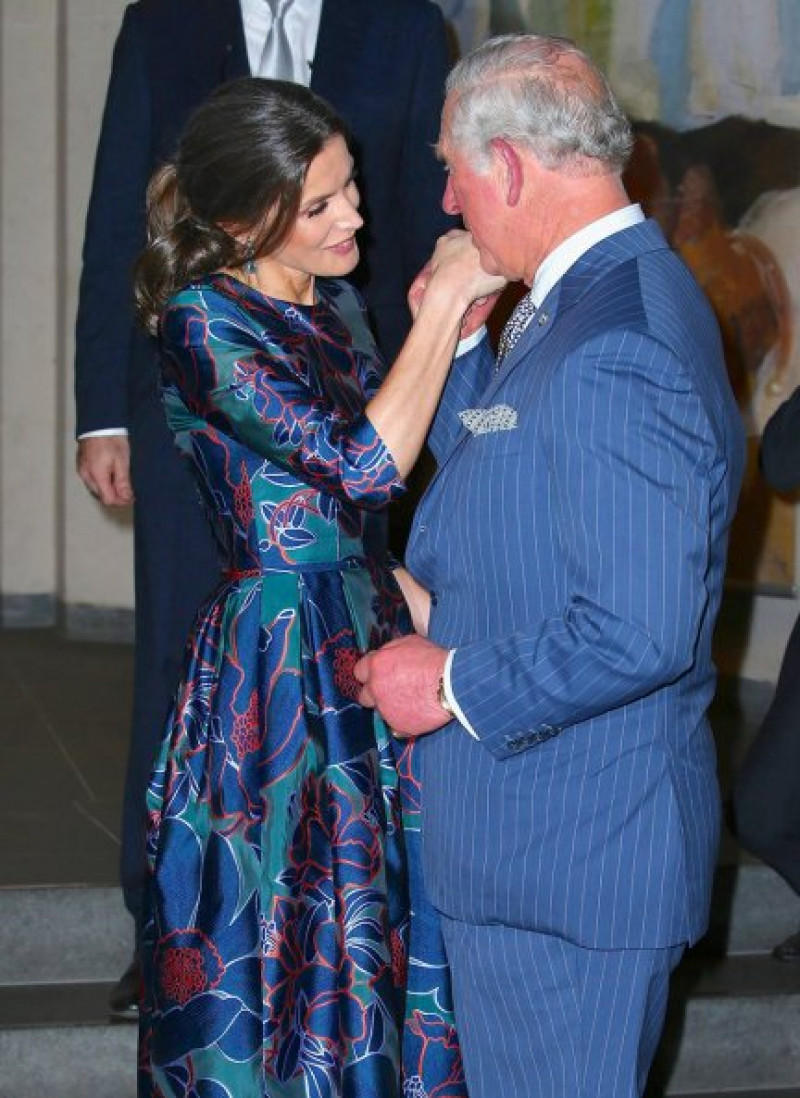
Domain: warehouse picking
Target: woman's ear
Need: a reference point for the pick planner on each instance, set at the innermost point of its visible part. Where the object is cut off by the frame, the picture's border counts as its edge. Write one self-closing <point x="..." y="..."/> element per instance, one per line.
<point x="512" y="174"/>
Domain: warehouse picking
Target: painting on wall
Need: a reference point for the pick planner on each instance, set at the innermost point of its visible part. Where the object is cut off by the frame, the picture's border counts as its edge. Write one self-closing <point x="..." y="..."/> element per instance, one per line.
<point x="728" y="198"/>
<point x="714" y="87"/>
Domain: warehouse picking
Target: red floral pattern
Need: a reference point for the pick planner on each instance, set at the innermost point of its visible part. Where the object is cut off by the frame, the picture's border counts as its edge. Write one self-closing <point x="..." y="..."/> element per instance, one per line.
<point x="243" y="499"/>
<point x="344" y="660"/>
<point x="246" y="735"/>
<point x="184" y="969"/>
<point x="399" y="959"/>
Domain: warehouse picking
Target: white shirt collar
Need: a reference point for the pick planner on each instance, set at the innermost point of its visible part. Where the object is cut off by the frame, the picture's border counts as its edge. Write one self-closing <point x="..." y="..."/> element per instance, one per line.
<point x="569" y="251"/>
<point x="302" y="26"/>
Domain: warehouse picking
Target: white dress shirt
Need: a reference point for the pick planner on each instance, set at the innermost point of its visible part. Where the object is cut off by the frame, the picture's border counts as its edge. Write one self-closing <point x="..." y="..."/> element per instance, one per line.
<point x="553" y="268"/>
<point x="569" y="251"/>
<point x="302" y="28"/>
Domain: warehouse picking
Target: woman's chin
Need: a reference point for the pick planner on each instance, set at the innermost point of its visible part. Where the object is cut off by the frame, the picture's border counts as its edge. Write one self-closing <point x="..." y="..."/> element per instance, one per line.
<point x="343" y="258"/>
<point x="353" y="263"/>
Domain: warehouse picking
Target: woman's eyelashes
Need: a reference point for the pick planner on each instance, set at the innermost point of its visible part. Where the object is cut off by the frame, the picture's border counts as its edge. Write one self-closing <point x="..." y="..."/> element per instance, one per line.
<point x="350" y="189"/>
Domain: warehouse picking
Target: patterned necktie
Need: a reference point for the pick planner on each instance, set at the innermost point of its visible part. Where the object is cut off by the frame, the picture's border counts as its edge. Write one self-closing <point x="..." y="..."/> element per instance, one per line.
<point x="515" y="326"/>
<point x="277" y="61"/>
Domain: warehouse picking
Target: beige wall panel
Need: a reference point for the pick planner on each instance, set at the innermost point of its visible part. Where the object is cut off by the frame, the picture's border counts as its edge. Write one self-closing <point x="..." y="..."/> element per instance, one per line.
<point x="28" y="343"/>
<point x="98" y="558"/>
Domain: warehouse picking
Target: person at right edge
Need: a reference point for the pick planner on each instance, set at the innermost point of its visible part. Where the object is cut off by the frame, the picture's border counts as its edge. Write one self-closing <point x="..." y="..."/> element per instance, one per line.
<point x="765" y="800"/>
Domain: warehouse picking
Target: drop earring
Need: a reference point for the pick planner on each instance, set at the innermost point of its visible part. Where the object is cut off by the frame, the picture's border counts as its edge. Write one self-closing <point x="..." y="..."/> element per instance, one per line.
<point x="249" y="264"/>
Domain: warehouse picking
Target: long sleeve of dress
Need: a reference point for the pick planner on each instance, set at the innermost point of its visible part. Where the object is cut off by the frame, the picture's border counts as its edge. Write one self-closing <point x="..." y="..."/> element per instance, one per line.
<point x="261" y="383"/>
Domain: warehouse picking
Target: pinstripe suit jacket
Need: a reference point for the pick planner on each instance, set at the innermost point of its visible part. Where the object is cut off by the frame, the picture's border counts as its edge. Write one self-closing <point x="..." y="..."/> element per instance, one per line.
<point x="576" y="562"/>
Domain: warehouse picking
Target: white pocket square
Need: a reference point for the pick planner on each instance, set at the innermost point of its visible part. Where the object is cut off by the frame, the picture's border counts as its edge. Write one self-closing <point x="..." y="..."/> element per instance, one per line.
<point x="482" y="421"/>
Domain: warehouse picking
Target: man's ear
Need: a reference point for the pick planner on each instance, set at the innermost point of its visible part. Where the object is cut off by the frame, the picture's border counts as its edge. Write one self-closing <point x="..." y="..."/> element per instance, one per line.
<point x="512" y="173"/>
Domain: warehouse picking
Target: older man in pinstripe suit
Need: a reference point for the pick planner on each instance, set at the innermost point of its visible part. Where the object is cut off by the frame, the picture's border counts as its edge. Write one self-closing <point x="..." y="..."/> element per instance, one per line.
<point x="568" y="563"/>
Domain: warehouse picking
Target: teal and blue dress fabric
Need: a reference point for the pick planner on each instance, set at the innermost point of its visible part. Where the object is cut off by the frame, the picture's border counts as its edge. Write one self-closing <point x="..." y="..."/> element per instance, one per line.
<point x="289" y="951"/>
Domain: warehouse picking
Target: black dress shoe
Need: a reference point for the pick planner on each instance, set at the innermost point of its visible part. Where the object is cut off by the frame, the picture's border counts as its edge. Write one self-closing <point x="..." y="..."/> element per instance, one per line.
<point x="788" y="950"/>
<point x="123" y="1000"/>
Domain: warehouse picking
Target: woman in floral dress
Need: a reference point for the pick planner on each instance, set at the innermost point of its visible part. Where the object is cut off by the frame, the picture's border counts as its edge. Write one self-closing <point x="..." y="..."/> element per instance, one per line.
<point x="289" y="951"/>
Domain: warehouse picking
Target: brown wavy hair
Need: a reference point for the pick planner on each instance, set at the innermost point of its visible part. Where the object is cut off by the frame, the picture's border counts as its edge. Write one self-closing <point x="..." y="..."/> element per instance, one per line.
<point x="242" y="161"/>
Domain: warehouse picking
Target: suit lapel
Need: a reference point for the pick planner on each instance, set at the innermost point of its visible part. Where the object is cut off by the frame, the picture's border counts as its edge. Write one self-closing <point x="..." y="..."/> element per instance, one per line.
<point x="578" y="280"/>
<point x="225" y="31"/>
<point x="538" y="329"/>
<point x="598" y="261"/>
<point x="339" y="44"/>
<point x="591" y="266"/>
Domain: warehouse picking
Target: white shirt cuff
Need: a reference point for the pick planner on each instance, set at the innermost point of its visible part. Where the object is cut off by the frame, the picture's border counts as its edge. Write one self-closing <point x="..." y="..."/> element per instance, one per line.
<point x="471" y="341"/>
<point x="105" y="432"/>
<point x="451" y="701"/>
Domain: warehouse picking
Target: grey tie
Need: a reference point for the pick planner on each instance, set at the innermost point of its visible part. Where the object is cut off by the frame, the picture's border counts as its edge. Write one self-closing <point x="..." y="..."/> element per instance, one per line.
<point x="277" y="61"/>
<point x="515" y="326"/>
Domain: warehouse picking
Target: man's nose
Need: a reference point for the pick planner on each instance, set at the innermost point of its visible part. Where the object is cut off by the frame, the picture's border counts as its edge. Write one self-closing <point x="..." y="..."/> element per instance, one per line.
<point x="449" y="201"/>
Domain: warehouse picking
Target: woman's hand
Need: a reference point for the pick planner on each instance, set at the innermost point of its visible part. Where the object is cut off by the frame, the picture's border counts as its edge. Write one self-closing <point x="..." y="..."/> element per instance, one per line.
<point x="455" y="268"/>
<point x="417" y="599"/>
<point x="418" y="287"/>
<point x="474" y="318"/>
<point x="402" y="410"/>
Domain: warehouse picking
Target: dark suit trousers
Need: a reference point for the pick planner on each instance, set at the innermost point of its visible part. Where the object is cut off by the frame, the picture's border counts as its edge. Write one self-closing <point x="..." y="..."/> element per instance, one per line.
<point x="766" y="794"/>
<point x="176" y="568"/>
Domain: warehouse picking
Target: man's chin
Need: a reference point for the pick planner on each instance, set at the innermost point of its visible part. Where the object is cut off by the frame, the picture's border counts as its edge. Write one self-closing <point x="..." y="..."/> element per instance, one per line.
<point x="492" y="266"/>
<point x="489" y="263"/>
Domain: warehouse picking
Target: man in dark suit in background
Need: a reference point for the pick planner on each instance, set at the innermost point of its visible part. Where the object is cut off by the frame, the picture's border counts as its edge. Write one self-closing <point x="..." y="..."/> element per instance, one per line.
<point x="765" y="802"/>
<point x="382" y="66"/>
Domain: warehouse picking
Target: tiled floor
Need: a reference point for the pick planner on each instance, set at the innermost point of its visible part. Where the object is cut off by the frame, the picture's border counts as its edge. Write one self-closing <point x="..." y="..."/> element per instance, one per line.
<point x="63" y="739"/>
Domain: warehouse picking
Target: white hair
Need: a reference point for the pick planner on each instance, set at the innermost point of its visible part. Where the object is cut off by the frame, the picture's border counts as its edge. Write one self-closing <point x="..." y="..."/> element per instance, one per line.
<point x="541" y="92"/>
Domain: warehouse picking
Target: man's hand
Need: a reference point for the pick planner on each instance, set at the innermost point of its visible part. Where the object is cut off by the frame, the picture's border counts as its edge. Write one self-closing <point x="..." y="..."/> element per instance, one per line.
<point x="401" y="681"/>
<point x="104" y="465"/>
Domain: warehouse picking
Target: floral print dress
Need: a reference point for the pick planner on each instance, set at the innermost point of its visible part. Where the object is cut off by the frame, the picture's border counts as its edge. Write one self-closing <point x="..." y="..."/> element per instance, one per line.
<point x="289" y="951"/>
